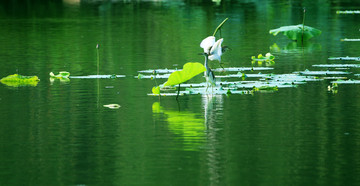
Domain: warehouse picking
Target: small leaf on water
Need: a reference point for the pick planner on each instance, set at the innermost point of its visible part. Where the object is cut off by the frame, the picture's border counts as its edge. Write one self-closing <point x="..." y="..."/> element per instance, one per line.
<point x="140" y="76"/>
<point x="156" y="90"/>
<point x="62" y="74"/>
<point x="112" y="106"/>
<point x="268" y="57"/>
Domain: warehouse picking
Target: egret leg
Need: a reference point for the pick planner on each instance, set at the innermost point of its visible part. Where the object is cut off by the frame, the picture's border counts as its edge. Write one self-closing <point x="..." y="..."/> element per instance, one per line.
<point x="221" y="66"/>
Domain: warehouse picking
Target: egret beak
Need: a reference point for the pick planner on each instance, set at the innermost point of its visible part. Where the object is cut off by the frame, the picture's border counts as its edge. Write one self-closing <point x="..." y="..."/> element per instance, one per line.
<point x="224" y="48"/>
<point x="203" y="54"/>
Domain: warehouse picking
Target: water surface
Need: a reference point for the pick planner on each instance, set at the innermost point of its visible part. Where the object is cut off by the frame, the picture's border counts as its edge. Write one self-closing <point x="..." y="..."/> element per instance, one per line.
<point x="60" y="134"/>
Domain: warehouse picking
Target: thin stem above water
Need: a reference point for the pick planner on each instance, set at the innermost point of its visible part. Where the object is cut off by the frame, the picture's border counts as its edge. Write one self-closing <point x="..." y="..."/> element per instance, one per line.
<point x="219" y="27"/>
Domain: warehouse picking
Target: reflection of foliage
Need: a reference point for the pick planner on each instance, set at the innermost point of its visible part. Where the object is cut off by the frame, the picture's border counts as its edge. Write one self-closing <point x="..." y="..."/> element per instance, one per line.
<point x="268" y="59"/>
<point x="294" y="47"/>
<point x="260" y="57"/>
<point x="333" y="88"/>
<point x="17" y="80"/>
<point x="63" y="76"/>
<point x="184" y="124"/>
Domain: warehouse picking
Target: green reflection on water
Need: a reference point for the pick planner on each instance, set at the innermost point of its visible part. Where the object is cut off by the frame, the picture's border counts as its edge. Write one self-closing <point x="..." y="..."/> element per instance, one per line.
<point x="189" y="128"/>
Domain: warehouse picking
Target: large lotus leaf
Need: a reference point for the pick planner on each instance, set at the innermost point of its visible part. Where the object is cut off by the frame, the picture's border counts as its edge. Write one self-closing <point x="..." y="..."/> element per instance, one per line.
<point x="189" y="70"/>
<point x="295" y="32"/>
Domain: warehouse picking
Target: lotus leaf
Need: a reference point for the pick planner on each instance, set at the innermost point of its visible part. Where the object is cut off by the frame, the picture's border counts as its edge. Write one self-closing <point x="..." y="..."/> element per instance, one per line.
<point x="156" y="90"/>
<point x="190" y="70"/>
<point x="268" y="57"/>
<point x="17" y="80"/>
<point x="296" y="33"/>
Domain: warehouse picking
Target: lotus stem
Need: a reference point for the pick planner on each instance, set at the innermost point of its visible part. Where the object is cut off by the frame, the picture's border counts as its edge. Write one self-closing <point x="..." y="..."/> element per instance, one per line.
<point x="154" y="72"/>
<point x="178" y="92"/>
<point x="219" y="27"/>
<point x="303" y="27"/>
<point x="98" y="58"/>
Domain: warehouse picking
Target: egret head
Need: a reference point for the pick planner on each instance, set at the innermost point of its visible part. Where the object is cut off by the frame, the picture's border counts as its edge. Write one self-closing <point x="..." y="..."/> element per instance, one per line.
<point x="225" y="48"/>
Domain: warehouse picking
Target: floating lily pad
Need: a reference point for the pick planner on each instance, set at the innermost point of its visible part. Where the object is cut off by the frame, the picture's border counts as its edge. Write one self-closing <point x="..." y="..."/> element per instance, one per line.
<point x="316" y="73"/>
<point x="331" y="78"/>
<point x="350" y="81"/>
<point x="230" y="69"/>
<point x="296" y="33"/>
<point x="159" y="71"/>
<point x="243" y="75"/>
<point x="17" y="80"/>
<point x="345" y="58"/>
<point x="348" y="12"/>
<point x="239" y="69"/>
<point x="338" y="65"/>
<point x="112" y="106"/>
<point x="294" y="77"/>
<point x="200" y="91"/>
<point x="157" y="76"/>
<point x="346" y="39"/>
<point x="97" y="77"/>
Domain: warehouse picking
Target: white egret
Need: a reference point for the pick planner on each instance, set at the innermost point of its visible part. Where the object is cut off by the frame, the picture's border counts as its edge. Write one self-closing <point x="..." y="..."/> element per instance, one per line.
<point x="213" y="49"/>
<point x="207" y="44"/>
<point x="216" y="51"/>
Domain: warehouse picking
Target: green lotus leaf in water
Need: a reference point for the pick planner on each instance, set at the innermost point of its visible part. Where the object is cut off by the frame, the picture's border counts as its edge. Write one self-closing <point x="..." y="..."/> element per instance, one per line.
<point x="296" y="33"/>
<point x="17" y="80"/>
<point x="156" y="90"/>
<point x="260" y="57"/>
<point x="189" y="70"/>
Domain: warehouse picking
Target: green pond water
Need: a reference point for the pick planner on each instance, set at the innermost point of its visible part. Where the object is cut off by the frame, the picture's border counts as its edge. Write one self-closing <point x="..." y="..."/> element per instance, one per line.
<point x="60" y="133"/>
